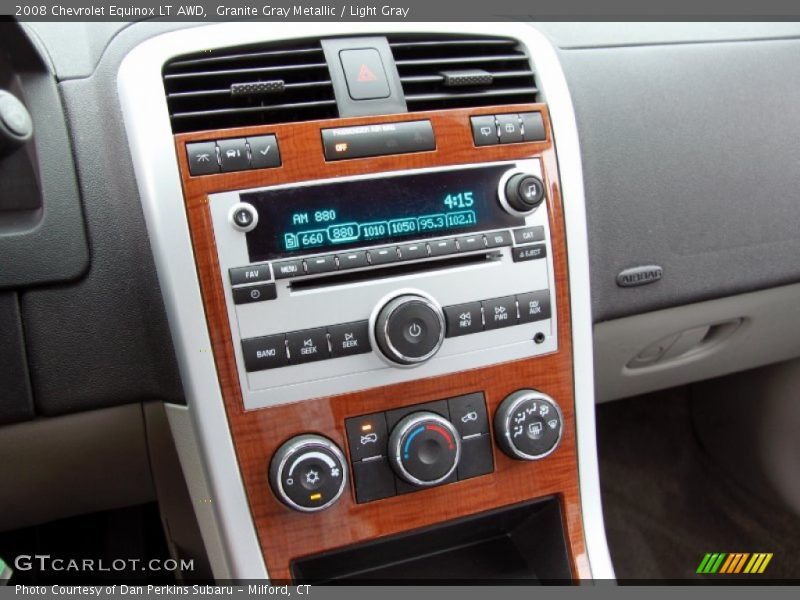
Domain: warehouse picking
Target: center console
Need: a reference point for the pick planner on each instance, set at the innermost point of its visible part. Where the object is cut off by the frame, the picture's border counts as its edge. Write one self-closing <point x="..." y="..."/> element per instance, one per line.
<point x="385" y="302"/>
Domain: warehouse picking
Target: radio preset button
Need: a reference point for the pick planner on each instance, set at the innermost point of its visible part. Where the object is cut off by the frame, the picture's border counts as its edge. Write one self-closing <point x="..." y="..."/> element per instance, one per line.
<point x="254" y="293"/>
<point x="469" y="243"/>
<point x="352" y="260"/>
<point x="288" y="268"/>
<point x="497" y="239"/>
<point x="382" y="256"/>
<point x="266" y="352"/>
<point x="442" y="247"/>
<point x="320" y="264"/>
<point x="500" y="312"/>
<point x="527" y="235"/>
<point x="534" y="306"/>
<point x="414" y="251"/>
<point x="349" y="338"/>
<point x="463" y="319"/>
<point x="250" y="274"/>
<point x="523" y="253"/>
<point x="307" y="346"/>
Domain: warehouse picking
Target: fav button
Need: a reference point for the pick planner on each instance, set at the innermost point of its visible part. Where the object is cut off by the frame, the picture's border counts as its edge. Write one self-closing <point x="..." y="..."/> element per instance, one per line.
<point x="308" y="345"/>
<point x="251" y="274"/>
<point x="349" y="338"/>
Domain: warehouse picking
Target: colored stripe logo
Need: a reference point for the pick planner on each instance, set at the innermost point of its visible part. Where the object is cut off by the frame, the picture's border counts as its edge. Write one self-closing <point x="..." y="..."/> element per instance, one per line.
<point x="734" y="563"/>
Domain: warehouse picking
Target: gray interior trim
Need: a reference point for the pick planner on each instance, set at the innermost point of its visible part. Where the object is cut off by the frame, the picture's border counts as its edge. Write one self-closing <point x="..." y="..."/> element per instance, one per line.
<point x="769" y="332"/>
<point x="690" y="158"/>
<point x="73" y="457"/>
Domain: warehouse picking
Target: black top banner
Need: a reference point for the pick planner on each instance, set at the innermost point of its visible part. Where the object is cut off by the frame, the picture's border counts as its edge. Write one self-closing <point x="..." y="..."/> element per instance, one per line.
<point x="401" y="10"/>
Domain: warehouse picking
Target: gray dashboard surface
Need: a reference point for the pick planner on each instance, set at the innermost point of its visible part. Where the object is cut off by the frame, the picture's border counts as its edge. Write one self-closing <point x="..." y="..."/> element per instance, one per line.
<point x="690" y="162"/>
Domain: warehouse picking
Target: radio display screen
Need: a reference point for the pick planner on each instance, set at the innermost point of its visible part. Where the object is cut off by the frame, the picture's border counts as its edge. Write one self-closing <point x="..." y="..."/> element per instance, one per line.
<point x="368" y="212"/>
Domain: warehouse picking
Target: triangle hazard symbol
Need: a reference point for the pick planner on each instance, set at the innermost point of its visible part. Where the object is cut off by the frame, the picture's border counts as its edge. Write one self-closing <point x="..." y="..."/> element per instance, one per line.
<point x="365" y="74"/>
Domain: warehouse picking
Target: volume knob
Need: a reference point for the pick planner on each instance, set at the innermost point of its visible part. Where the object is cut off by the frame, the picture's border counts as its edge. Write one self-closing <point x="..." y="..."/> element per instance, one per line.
<point x="409" y="329"/>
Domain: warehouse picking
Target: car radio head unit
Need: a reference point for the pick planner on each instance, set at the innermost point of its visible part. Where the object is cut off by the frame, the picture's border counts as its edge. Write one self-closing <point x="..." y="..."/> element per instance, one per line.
<point x="375" y="210"/>
<point x="385" y="278"/>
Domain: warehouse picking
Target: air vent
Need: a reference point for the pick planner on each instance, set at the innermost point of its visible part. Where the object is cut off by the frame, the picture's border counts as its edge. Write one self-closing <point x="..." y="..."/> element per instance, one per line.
<point x="462" y="71"/>
<point x="249" y="86"/>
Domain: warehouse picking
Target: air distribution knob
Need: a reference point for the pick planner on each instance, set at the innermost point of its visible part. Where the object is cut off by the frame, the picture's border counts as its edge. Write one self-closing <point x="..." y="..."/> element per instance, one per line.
<point x="528" y="425"/>
<point x="308" y="473"/>
<point x="424" y="448"/>
<point x="409" y="329"/>
<point x="523" y="193"/>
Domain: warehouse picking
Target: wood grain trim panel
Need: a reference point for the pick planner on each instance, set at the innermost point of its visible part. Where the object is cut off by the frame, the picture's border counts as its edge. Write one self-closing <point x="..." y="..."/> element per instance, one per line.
<point x="284" y="534"/>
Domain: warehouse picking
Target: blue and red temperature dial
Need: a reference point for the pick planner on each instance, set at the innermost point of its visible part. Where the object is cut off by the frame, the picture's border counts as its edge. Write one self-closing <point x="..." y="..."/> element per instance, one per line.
<point x="424" y="448"/>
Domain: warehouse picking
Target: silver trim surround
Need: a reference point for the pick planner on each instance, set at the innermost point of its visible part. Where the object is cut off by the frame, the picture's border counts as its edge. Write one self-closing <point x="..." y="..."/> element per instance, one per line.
<point x="144" y="110"/>
<point x="518" y="398"/>
<point x="501" y="194"/>
<point x="399" y="432"/>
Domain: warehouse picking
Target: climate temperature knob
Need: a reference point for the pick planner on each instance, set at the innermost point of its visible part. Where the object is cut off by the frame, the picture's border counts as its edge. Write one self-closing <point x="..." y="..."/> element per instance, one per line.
<point x="424" y="448"/>
<point x="308" y="473"/>
<point x="528" y="425"/>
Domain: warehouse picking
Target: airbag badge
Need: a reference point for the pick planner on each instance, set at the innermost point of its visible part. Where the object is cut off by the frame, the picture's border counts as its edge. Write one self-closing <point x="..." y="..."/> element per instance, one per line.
<point x="639" y="275"/>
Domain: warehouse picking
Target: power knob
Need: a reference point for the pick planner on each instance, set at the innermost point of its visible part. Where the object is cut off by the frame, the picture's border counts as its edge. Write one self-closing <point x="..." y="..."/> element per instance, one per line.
<point x="424" y="448"/>
<point x="409" y="329"/>
<point x="521" y="194"/>
<point x="528" y="425"/>
<point x="308" y="473"/>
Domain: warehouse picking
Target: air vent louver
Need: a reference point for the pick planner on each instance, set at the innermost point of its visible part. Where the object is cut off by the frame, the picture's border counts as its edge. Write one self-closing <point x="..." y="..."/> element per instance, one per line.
<point x="453" y="72"/>
<point x="249" y="86"/>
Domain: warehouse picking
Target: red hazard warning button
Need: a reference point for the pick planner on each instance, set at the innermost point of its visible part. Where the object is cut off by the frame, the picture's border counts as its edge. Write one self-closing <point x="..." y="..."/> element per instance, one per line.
<point x="365" y="75"/>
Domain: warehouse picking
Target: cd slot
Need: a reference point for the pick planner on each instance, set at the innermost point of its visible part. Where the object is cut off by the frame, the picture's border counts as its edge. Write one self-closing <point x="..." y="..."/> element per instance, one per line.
<point x="392" y="270"/>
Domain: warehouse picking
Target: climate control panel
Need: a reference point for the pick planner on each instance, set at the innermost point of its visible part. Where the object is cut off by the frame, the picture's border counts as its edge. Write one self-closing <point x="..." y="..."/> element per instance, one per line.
<point x="415" y="447"/>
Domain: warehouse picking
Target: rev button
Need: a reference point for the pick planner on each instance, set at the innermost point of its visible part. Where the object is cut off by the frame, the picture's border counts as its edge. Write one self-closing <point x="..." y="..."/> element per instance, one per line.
<point x="307" y="345"/>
